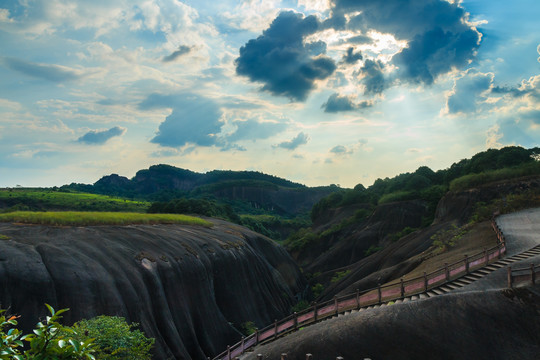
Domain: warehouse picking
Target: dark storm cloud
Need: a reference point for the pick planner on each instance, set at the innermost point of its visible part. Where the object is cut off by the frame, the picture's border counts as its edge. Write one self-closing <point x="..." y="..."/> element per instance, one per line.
<point x="439" y="38"/>
<point x="194" y="120"/>
<point x="47" y="72"/>
<point x="351" y="57"/>
<point x="300" y="139"/>
<point x="182" y="50"/>
<point x="337" y="103"/>
<point x="95" y="137"/>
<point x="434" y="53"/>
<point x="373" y="77"/>
<point x="281" y="60"/>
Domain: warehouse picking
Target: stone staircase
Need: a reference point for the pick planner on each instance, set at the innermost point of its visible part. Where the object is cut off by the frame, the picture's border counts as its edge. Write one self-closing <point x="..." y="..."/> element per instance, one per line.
<point x="459" y="282"/>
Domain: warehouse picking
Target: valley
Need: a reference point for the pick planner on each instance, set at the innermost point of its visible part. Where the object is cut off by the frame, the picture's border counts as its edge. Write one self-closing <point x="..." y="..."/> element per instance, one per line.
<point x="199" y="280"/>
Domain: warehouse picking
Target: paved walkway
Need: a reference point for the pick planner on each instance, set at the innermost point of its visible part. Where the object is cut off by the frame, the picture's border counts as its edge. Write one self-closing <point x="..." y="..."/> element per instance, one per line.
<point x="522" y="232"/>
<point x="521" y="229"/>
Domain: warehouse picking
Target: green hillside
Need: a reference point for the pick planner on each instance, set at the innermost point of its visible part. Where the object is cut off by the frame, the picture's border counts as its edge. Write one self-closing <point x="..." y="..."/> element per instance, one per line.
<point x="37" y="199"/>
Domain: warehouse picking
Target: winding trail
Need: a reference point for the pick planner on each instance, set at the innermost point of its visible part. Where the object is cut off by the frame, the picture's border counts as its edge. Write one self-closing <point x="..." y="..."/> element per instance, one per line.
<point x="522" y="233"/>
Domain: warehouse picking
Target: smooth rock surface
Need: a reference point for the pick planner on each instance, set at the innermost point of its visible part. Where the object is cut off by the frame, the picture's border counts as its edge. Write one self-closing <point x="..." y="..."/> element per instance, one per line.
<point x="189" y="287"/>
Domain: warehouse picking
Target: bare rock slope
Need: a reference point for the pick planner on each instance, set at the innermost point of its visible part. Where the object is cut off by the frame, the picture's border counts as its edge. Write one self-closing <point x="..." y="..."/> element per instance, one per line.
<point x="499" y="324"/>
<point x="189" y="287"/>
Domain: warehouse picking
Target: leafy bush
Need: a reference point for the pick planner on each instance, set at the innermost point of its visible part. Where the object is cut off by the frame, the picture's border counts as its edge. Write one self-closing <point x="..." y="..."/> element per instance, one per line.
<point x="339" y="275"/>
<point x="397" y="196"/>
<point x="247" y="328"/>
<point x="506" y="204"/>
<point x="445" y="239"/>
<point x="317" y="289"/>
<point x="372" y="249"/>
<point x="301" y="239"/>
<point x="301" y="305"/>
<point x="50" y="340"/>
<point x="477" y="179"/>
<point x="114" y="338"/>
<point x="404" y="232"/>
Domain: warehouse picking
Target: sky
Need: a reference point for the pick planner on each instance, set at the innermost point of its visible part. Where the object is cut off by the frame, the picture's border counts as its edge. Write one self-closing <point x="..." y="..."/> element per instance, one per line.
<point x="316" y="91"/>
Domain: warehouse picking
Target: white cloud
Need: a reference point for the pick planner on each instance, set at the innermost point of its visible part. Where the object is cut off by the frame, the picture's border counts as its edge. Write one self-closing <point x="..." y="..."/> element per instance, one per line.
<point x="253" y="15"/>
<point x="493" y="136"/>
<point x="317" y="5"/>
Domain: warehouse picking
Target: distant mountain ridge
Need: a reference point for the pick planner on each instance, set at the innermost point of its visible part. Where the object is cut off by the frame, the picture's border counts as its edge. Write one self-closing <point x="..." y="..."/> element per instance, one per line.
<point x="240" y="189"/>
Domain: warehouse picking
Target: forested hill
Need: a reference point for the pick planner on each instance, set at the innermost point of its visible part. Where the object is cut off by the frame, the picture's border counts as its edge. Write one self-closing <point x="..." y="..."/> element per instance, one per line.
<point x="245" y="191"/>
<point x="351" y="225"/>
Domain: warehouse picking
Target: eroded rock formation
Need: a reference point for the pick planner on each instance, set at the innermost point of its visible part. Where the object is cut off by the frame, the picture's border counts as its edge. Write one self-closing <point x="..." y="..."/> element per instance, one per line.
<point x="189" y="287"/>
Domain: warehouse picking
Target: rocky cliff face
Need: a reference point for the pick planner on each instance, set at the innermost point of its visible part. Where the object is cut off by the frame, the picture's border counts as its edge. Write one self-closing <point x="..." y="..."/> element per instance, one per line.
<point x="189" y="287"/>
<point x="459" y="206"/>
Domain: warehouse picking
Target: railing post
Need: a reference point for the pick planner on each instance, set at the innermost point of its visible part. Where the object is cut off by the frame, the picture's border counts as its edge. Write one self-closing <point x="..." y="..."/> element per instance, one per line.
<point x="259" y="356"/>
<point x="467" y="264"/>
<point x="425" y="281"/>
<point x="446" y="272"/>
<point x="533" y="275"/>
<point x="283" y="356"/>
<point x="336" y="304"/>
<point x="243" y="343"/>
<point x="228" y="352"/>
<point x="295" y="320"/>
<point x="499" y="249"/>
<point x="309" y="357"/>
<point x="256" y="336"/>
<point x="275" y="329"/>
<point x="379" y="293"/>
<point x="315" y="311"/>
<point x="357" y="299"/>
<point x="401" y="288"/>
<point x="509" y="272"/>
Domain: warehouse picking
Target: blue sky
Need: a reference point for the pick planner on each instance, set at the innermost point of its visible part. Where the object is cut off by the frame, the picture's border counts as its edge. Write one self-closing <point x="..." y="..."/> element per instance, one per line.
<point x="315" y="91"/>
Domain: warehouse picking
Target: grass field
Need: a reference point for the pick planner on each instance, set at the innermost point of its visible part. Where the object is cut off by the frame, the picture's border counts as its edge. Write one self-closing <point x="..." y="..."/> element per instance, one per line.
<point x="75" y="218"/>
<point x="49" y="199"/>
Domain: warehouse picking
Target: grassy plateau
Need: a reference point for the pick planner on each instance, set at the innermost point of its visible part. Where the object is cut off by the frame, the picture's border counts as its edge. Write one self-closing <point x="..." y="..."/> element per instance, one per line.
<point x="47" y="199"/>
<point x="76" y="218"/>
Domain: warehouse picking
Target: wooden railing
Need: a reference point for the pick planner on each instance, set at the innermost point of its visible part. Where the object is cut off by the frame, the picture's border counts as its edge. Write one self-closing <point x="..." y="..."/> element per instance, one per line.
<point x="520" y="275"/>
<point x="378" y="295"/>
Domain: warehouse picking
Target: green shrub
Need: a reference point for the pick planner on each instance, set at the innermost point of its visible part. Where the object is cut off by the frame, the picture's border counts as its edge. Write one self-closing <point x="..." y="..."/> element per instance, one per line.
<point x="339" y="275"/>
<point x="114" y="338"/>
<point x="301" y="305"/>
<point x="474" y="180"/>
<point x="247" y="328"/>
<point x="397" y="196"/>
<point x="301" y="239"/>
<point x="445" y="239"/>
<point x="404" y="232"/>
<point x="317" y="289"/>
<point x="372" y="249"/>
<point x="50" y="340"/>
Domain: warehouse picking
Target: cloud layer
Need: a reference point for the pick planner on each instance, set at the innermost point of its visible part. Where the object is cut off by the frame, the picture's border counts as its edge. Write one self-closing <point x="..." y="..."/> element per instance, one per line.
<point x="283" y="61"/>
<point x="98" y="137"/>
